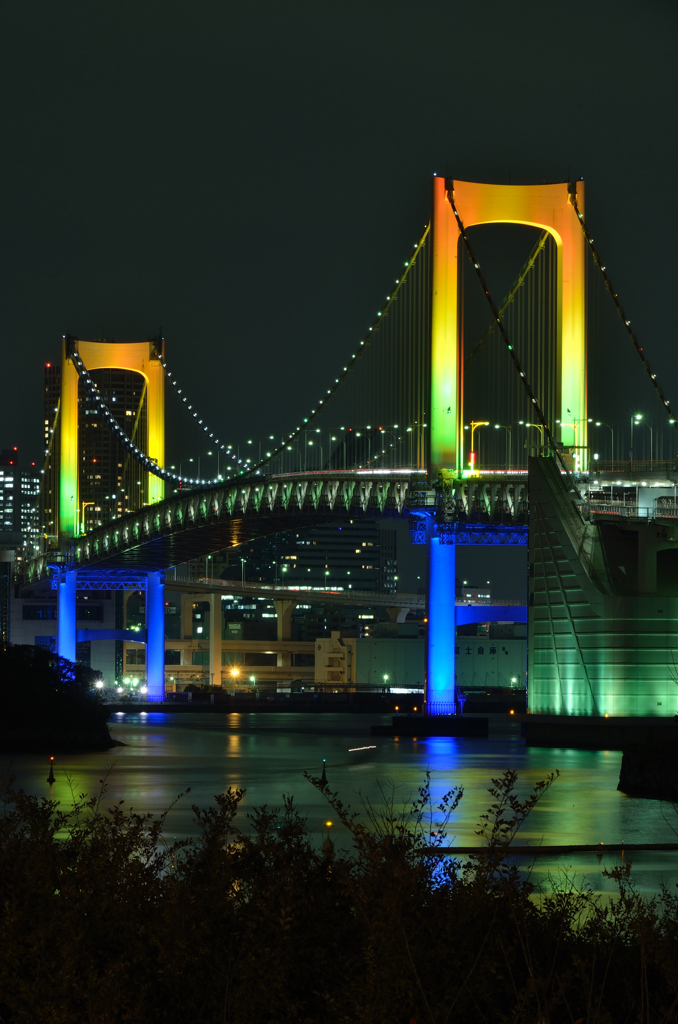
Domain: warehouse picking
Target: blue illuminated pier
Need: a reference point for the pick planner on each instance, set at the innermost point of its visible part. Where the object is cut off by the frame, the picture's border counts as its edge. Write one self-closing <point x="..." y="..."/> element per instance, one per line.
<point x="155" y="636"/>
<point x="68" y="582"/>
<point x="66" y="591"/>
<point x="441" y="624"/>
<point x="442" y="538"/>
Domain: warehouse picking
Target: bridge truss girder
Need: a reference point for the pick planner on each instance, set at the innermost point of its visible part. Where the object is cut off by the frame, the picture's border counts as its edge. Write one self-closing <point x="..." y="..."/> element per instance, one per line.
<point x="192" y="524"/>
<point x="198" y="522"/>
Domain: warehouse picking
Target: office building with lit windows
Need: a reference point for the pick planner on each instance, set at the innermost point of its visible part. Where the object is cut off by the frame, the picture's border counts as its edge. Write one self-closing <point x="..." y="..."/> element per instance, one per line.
<point x="358" y="555"/>
<point x="19" y="504"/>
<point x="19" y="525"/>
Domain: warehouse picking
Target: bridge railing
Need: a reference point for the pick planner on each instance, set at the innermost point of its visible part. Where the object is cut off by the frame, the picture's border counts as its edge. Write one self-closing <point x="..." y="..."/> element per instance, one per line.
<point x="614" y="508"/>
<point x="635" y="466"/>
<point x="628" y="511"/>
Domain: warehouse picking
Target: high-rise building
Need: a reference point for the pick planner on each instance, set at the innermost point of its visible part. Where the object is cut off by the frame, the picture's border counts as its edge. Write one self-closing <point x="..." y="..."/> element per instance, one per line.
<point x="357" y="555"/>
<point x="19" y="525"/>
<point x="19" y="500"/>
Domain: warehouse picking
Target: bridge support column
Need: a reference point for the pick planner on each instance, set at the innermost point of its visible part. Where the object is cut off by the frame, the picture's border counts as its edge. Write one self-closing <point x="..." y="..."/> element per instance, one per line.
<point x="216" y="627"/>
<point x="155" y="635"/>
<point x="397" y="614"/>
<point x="283" y="610"/>
<point x="66" y="615"/>
<point x="440" y="675"/>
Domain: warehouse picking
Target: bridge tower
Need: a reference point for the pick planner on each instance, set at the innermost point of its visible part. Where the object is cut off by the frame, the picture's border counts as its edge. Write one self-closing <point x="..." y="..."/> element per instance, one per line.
<point x="548" y="207"/>
<point x="143" y="358"/>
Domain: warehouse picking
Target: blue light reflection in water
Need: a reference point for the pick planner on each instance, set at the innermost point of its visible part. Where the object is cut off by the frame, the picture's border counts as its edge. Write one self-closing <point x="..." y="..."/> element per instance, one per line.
<point x="267" y="754"/>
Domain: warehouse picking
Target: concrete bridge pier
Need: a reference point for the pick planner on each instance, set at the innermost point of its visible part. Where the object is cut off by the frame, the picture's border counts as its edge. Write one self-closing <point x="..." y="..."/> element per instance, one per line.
<point x="397" y="614"/>
<point x="155" y="635"/>
<point x="440" y="676"/>
<point x="216" y="628"/>
<point x="66" y="592"/>
<point x="284" y="609"/>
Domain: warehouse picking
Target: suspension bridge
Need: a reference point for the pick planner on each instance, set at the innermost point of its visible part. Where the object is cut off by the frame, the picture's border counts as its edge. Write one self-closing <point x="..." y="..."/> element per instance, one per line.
<point x="464" y="412"/>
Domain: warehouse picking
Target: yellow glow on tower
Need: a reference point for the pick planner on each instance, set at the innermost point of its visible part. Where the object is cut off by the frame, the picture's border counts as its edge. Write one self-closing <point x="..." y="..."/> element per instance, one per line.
<point x="543" y="206"/>
<point x="137" y="356"/>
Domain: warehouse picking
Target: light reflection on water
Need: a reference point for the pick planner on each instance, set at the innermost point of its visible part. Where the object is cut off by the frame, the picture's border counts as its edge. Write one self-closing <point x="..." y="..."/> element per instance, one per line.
<point x="267" y="754"/>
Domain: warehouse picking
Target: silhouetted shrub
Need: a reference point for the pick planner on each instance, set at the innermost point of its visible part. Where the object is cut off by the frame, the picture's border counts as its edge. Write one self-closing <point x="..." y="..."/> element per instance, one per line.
<point x="103" y="922"/>
<point x="49" y="704"/>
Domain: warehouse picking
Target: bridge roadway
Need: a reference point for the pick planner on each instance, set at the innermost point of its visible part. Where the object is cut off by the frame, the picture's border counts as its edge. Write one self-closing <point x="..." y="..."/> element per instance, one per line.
<point x="315" y="595"/>
<point x="195" y="523"/>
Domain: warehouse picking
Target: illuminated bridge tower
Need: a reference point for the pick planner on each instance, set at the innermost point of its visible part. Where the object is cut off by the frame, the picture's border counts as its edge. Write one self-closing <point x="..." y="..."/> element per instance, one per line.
<point x="130" y="378"/>
<point x="98" y="480"/>
<point x="549" y="208"/>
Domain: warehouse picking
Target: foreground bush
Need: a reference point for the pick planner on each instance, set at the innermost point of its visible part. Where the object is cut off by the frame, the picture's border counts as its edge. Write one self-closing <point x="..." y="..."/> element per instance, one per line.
<point x="102" y="923"/>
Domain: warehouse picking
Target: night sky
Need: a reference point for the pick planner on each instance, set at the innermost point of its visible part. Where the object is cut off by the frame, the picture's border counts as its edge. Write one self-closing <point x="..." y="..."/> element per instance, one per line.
<point x="249" y="176"/>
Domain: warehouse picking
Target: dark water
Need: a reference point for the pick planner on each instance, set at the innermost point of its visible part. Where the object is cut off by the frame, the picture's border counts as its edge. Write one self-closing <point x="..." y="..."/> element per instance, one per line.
<point x="266" y="754"/>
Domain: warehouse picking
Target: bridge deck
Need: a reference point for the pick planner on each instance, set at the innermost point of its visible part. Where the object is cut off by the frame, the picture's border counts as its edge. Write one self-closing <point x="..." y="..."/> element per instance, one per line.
<point x="194" y="523"/>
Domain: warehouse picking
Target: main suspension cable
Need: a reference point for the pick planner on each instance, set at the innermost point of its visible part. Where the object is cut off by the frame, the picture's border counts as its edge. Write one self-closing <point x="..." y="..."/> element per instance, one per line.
<point x="226" y="448"/>
<point x="123" y="438"/>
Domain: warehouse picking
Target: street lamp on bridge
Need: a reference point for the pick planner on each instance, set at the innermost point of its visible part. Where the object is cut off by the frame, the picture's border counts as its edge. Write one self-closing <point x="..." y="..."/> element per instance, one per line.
<point x="292" y="448"/>
<point x="600" y="423"/>
<point x="637" y="420"/>
<point x="475" y="424"/>
<point x="537" y="426"/>
<point x="322" y="454"/>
